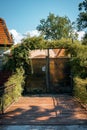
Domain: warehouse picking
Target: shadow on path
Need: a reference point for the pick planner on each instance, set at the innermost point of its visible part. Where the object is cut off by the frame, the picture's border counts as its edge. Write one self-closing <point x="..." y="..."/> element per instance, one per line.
<point x="51" y="110"/>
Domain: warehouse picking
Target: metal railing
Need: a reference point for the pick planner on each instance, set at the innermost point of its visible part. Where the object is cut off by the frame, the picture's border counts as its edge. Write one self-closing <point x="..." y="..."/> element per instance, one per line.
<point x="3" y="92"/>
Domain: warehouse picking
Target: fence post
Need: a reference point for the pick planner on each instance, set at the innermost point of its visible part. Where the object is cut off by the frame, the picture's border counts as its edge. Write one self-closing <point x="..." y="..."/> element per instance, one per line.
<point x="47" y="72"/>
<point x="2" y="104"/>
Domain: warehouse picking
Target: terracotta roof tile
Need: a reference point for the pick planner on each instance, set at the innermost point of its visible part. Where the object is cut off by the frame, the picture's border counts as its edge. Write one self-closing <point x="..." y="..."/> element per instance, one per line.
<point x="5" y="37"/>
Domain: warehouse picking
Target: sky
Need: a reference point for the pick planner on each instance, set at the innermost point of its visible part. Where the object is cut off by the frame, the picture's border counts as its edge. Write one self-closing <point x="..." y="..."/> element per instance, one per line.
<point x="23" y="16"/>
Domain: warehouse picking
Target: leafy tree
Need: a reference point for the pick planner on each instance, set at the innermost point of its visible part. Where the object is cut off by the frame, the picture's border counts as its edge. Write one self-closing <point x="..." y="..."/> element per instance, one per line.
<point x="84" y="41"/>
<point x="55" y="27"/>
<point x="82" y="19"/>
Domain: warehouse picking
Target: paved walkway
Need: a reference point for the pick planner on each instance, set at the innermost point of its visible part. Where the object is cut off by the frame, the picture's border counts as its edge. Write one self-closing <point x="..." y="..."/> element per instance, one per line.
<point x="48" y="110"/>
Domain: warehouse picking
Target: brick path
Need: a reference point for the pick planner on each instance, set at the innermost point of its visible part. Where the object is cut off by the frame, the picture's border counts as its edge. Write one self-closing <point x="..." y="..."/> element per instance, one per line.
<point x="45" y="110"/>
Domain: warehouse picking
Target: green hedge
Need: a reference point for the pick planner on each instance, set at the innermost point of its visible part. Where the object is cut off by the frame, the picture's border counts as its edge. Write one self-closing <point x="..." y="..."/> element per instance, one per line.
<point x="17" y="79"/>
<point x="80" y="89"/>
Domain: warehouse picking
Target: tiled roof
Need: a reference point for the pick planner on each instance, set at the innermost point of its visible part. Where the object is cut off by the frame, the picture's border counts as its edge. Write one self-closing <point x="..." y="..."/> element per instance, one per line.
<point x="5" y="37"/>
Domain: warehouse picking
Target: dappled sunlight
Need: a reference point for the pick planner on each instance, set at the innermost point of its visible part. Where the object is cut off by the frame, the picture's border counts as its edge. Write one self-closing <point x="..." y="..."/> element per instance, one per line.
<point x="45" y="110"/>
<point x="78" y="115"/>
<point x="44" y="118"/>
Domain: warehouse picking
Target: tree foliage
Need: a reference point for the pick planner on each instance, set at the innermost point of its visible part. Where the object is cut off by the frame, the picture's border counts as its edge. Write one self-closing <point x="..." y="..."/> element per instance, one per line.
<point x="78" y="60"/>
<point x="34" y="42"/>
<point x="84" y="41"/>
<point x="82" y="17"/>
<point x="55" y="27"/>
<point x="40" y="43"/>
<point x="19" y="58"/>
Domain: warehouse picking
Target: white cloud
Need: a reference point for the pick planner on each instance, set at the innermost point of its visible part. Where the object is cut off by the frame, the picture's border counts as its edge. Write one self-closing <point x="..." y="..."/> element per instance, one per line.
<point x="80" y="35"/>
<point x="16" y="36"/>
<point x="32" y="33"/>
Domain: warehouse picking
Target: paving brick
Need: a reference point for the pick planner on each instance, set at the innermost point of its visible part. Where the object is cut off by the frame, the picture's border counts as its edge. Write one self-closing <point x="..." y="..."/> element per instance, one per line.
<point x="48" y="110"/>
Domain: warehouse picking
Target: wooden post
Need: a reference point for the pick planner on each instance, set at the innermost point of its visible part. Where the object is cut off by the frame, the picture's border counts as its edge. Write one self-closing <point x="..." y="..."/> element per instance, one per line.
<point x="47" y="72"/>
<point x="2" y="104"/>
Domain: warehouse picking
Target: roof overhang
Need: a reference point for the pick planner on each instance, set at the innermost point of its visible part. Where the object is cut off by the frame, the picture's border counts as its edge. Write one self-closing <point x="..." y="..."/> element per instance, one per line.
<point x="6" y="45"/>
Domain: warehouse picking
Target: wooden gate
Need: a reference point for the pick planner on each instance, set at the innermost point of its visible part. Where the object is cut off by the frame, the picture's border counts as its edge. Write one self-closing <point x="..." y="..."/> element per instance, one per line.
<point x="51" y="75"/>
<point x="60" y="75"/>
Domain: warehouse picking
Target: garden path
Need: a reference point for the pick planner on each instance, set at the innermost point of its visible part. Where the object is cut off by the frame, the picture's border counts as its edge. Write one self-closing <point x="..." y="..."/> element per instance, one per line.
<point x="45" y="110"/>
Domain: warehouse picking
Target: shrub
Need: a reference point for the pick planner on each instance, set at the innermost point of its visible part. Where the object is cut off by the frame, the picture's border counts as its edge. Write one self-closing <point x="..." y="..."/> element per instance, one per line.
<point x="16" y="79"/>
<point x="79" y="60"/>
<point x="80" y="89"/>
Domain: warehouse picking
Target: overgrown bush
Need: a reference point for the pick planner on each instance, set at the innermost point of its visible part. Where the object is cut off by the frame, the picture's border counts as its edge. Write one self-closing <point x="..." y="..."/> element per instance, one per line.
<point x="79" y="60"/>
<point x="80" y="89"/>
<point x="13" y="93"/>
<point x="79" y="69"/>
